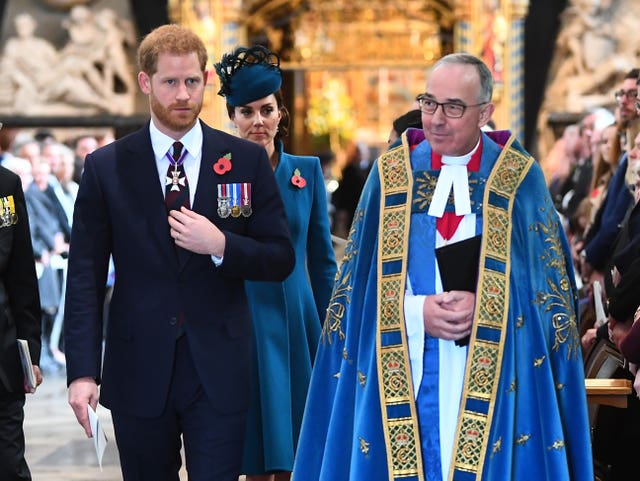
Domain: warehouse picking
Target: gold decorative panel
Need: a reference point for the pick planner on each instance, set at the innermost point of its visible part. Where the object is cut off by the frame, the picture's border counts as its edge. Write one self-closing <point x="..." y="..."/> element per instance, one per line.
<point x="373" y="33"/>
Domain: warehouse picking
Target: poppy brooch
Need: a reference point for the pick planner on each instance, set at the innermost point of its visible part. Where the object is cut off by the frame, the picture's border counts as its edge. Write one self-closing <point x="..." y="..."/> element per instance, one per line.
<point x="298" y="180"/>
<point x="223" y="164"/>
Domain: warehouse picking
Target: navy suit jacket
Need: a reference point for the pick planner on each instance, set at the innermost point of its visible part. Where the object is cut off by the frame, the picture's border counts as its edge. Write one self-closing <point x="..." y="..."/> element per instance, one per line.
<point x="602" y="235"/>
<point x="19" y="299"/>
<point x="120" y="211"/>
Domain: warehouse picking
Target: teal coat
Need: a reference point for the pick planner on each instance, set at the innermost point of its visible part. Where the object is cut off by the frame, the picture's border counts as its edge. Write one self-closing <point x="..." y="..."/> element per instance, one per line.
<point x="287" y="320"/>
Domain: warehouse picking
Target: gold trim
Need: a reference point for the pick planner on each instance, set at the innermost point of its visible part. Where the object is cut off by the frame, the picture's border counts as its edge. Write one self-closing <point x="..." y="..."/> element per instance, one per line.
<point x="484" y="359"/>
<point x="402" y="435"/>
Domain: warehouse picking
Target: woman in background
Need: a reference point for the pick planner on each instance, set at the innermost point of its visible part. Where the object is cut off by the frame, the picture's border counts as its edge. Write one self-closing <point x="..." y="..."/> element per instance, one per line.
<point x="606" y="155"/>
<point x="287" y="316"/>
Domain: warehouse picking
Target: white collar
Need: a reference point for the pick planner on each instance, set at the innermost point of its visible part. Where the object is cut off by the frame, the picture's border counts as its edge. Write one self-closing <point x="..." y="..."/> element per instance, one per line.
<point x="453" y="175"/>
<point x="161" y="143"/>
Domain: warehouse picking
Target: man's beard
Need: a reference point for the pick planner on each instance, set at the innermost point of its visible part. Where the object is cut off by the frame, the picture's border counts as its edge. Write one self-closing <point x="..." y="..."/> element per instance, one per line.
<point x="168" y="117"/>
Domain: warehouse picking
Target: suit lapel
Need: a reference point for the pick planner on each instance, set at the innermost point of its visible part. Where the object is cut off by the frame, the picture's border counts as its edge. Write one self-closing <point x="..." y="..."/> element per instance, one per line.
<point x="206" y="199"/>
<point x="137" y="167"/>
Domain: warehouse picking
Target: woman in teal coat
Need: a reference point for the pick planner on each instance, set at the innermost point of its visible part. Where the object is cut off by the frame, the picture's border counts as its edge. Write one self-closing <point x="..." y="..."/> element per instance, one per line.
<point x="287" y="316"/>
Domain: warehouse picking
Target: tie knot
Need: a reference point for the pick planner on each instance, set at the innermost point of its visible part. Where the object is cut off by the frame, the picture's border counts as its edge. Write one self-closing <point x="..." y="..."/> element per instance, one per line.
<point x="177" y="151"/>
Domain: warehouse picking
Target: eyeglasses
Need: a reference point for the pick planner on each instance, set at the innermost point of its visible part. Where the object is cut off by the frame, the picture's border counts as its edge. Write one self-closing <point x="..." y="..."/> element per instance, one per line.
<point x="637" y="106"/>
<point x="450" y="109"/>
<point x="630" y="94"/>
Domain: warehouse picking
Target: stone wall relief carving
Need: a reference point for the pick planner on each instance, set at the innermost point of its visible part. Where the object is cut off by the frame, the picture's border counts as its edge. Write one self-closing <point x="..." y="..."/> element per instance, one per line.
<point x="598" y="42"/>
<point x="90" y="74"/>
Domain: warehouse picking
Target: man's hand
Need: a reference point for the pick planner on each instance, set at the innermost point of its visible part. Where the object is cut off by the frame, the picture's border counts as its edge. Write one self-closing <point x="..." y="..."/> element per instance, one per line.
<point x="83" y="391"/>
<point x="589" y="338"/>
<point x="449" y="315"/>
<point x="576" y="248"/>
<point x="585" y="267"/>
<point x="617" y="331"/>
<point x="38" y="374"/>
<point x="616" y="277"/>
<point x="196" y="233"/>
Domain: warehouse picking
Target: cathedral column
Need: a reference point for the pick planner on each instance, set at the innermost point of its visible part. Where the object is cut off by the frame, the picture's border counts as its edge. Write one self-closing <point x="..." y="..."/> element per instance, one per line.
<point x="494" y="31"/>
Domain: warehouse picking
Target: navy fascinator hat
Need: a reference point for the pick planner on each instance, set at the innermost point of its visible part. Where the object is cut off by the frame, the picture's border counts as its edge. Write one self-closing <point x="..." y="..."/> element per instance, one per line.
<point x="248" y="74"/>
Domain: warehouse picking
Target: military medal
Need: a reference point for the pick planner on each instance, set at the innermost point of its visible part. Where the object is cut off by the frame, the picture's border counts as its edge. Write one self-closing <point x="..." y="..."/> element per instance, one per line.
<point x="8" y="216"/>
<point x="224" y="208"/>
<point x="175" y="181"/>
<point x="245" y="200"/>
<point x="234" y="200"/>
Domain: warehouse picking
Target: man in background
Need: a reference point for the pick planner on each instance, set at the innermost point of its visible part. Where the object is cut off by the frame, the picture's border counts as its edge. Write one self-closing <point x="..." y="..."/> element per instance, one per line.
<point x="19" y="319"/>
<point x="188" y="213"/>
<point x="431" y="367"/>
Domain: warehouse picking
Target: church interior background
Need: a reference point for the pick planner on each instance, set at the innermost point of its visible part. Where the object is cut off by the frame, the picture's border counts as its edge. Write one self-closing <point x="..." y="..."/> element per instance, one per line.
<point x="350" y="66"/>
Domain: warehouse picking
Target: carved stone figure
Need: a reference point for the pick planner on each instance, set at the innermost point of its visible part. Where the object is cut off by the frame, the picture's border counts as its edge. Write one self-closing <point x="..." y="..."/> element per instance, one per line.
<point x="89" y="74"/>
<point x="117" y="33"/>
<point x="26" y="66"/>
<point x="597" y="44"/>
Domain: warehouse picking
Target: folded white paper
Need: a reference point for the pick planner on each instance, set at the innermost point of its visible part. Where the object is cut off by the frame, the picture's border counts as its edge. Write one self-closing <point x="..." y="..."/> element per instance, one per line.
<point x="99" y="437"/>
<point x="601" y="317"/>
<point x="27" y="366"/>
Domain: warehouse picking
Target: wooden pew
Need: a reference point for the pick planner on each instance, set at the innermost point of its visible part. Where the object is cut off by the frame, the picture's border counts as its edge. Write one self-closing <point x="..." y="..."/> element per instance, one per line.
<point x="611" y="392"/>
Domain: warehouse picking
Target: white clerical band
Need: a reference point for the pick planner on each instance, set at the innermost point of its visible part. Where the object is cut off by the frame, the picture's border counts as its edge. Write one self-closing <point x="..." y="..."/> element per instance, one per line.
<point x="451" y="176"/>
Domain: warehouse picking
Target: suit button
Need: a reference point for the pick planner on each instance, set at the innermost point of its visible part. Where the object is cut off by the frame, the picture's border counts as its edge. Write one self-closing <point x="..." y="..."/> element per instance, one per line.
<point x="173" y="321"/>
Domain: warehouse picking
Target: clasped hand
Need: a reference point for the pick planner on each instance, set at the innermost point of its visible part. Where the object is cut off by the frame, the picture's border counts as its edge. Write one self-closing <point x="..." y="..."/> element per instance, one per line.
<point x="449" y="315"/>
<point x="196" y="233"/>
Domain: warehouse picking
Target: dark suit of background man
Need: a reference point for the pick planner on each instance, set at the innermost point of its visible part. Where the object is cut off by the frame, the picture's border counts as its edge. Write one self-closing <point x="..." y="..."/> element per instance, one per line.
<point x="19" y="319"/>
<point x="178" y="342"/>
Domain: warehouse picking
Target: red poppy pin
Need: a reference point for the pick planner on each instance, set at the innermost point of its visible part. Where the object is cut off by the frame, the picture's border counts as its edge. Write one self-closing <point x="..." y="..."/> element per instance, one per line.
<point x="223" y="164"/>
<point x="298" y="180"/>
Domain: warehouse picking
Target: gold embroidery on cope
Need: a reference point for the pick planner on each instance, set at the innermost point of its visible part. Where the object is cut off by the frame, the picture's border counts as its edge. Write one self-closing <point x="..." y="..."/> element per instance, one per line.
<point x="426" y="187"/>
<point x="484" y="358"/>
<point x="388" y="303"/>
<point x="404" y="447"/>
<point x="497" y="446"/>
<point x="394" y="377"/>
<point x="341" y="295"/>
<point x="364" y="446"/>
<point x="483" y="367"/>
<point x="558" y="300"/>
<point x="538" y="361"/>
<point x="470" y="442"/>
<point x="394" y="380"/>
<point x="557" y="445"/>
